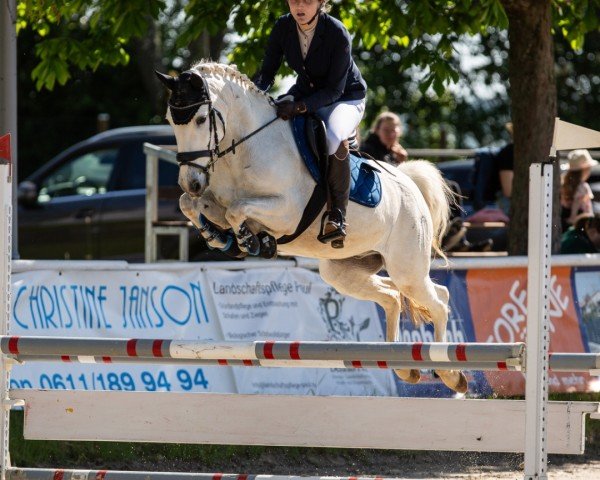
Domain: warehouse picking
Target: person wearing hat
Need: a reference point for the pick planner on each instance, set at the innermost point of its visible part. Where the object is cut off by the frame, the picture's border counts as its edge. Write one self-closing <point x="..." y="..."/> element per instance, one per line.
<point x="319" y="49"/>
<point x="575" y="193"/>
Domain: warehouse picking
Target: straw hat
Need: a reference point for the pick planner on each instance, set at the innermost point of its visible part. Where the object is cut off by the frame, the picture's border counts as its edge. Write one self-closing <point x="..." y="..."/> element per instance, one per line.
<point x="580" y="159"/>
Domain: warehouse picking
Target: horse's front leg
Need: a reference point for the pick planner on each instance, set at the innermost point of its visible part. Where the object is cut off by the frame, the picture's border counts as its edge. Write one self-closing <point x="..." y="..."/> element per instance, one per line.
<point x="207" y="205"/>
<point x="209" y="218"/>
<point x="270" y="212"/>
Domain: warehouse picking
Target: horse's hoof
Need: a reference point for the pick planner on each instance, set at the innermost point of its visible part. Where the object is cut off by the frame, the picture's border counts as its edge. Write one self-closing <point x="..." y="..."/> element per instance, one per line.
<point x="463" y="385"/>
<point x="413" y="377"/>
<point x="251" y="245"/>
<point x="247" y="241"/>
<point x="268" y="245"/>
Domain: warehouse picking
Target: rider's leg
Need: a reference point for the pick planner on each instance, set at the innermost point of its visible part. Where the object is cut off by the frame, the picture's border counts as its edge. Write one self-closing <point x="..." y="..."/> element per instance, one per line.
<point x="338" y="181"/>
<point x="341" y="120"/>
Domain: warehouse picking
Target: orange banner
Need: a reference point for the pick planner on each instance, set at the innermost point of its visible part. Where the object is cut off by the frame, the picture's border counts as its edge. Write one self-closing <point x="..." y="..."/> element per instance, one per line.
<point x="498" y="304"/>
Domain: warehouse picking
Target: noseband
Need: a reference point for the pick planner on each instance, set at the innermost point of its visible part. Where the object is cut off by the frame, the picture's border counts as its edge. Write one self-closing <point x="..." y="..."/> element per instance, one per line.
<point x="184" y="115"/>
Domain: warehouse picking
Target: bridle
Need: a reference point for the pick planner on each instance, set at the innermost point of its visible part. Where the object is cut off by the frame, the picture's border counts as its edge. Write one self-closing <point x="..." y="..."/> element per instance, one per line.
<point x="184" y="115"/>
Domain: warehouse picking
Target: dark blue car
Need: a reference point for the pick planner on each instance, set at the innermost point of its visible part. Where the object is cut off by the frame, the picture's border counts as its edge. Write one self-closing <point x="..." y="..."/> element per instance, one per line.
<point x="88" y="202"/>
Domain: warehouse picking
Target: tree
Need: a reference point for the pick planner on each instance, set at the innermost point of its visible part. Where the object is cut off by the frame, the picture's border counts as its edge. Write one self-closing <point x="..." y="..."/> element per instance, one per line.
<point x="108" y="68"/>
<point x="427" y="30"/>
<point x="415" y="25"/>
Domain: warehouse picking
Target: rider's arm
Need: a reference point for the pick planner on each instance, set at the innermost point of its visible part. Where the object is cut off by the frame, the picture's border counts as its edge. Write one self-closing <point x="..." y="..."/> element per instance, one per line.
<point x="265" y="77"/>
<point x="340" y="63"/>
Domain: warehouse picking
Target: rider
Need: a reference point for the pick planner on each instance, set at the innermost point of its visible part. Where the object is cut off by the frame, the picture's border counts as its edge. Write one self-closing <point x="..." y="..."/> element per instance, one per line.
<point x="319" y="49"/>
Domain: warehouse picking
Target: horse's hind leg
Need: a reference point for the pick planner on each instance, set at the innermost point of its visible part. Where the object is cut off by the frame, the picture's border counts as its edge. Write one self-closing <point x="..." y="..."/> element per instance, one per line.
<point x="358" y="278"/>
<point x="435" y="299"/>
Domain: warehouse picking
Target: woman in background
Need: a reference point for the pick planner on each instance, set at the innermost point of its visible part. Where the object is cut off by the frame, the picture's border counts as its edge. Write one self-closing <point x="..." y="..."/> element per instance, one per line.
<point x="575" y="193"/>
<point x="382" y="143"/>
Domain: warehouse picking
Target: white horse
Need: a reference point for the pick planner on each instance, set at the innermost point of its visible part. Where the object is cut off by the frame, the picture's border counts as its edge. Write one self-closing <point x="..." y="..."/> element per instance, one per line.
<point x="264" y="186"/>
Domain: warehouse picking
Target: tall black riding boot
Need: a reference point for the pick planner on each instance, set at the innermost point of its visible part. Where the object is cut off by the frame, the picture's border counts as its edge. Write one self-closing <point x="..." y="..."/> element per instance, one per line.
<point x="333" y="223"/>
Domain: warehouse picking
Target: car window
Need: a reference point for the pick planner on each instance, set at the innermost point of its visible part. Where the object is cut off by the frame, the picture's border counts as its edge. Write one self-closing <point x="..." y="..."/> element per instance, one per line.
<point x="86" y="175"/>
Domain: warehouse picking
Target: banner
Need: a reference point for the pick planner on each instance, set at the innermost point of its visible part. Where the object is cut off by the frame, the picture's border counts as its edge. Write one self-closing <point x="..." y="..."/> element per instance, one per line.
<point x="286" y="304"/>
<point x="295" y="304"/>
<point x="498" y="303"/>
<point x="117" y="304"/>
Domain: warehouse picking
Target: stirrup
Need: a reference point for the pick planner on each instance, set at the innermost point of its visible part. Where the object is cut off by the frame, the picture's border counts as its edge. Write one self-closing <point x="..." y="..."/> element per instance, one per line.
<point x="338" y="233"/>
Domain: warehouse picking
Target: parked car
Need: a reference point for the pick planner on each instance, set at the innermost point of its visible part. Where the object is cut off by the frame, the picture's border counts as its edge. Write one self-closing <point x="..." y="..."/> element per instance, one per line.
<point x="88" y="202"/>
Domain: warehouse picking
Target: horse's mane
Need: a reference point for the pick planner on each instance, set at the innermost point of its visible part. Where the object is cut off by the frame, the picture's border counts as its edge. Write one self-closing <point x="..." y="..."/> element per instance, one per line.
<point x="228" y="72"/>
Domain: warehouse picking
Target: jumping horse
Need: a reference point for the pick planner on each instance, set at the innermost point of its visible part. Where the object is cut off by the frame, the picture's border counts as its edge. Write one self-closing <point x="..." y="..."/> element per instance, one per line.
<point x="258" y="187"/>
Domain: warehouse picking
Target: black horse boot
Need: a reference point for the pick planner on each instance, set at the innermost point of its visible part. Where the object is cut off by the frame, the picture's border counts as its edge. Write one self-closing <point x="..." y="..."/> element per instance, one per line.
<point x="333" y="223"/>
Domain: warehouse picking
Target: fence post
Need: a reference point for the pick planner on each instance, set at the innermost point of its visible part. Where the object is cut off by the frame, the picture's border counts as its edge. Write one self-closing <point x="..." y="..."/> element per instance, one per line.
<point x="5" y="304"/>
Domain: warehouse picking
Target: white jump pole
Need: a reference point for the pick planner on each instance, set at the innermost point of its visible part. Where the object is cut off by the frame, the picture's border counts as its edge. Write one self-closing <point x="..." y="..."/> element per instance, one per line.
<point x="5" y="304"/>
<point x="538" y="281"/>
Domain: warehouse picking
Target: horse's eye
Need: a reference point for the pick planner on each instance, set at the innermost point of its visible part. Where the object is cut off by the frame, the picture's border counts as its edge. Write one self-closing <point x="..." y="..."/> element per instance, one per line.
<point x="200" y="120"/>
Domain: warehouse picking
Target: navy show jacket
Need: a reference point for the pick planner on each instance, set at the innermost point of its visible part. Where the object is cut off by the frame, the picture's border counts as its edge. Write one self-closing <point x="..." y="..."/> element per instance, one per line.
<point x="327" y="75"/>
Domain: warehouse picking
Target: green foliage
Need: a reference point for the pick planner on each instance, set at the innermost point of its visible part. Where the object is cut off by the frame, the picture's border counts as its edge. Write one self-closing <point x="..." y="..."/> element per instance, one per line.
<point x="82" y="34"/>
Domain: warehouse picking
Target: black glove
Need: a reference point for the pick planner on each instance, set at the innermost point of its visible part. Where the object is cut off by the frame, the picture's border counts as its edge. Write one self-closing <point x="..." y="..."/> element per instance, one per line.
<point x="287" y="110"/>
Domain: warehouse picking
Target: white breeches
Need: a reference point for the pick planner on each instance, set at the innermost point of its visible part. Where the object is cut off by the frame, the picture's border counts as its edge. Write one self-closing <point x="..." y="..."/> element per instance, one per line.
<point x="341" y="120"/>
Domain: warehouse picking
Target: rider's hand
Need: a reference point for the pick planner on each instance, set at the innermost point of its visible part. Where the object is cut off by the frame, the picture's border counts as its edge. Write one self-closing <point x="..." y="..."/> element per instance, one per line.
<point x="287" y="110"/>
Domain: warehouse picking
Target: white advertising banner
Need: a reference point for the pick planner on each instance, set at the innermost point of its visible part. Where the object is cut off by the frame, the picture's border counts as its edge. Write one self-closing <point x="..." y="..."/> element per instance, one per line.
<point x="117" y="304"/>
<point x="257" y="304"/>
<point x="289" y="305"/>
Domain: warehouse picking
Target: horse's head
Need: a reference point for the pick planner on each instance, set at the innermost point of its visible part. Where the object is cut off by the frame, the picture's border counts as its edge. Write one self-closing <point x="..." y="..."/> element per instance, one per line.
<point x="194" y="120"/>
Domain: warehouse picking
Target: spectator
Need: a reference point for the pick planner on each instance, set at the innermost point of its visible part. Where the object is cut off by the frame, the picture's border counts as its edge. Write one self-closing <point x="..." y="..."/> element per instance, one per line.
<point x="575" y="193"/>
<point x="382" y="142"/>
<point x="493" y="176"/>
<point x="583" y="237"/>
<point x="505" y="166"/>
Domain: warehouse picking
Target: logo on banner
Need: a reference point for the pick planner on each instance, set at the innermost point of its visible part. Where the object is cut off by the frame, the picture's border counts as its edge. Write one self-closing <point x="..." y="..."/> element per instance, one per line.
<point x="338" y="327"/>
<point x="498" y="303"/>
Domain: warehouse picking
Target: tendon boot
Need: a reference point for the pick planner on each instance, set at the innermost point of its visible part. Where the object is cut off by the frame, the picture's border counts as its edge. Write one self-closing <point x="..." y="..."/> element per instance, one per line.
<point x="333" y="223"/>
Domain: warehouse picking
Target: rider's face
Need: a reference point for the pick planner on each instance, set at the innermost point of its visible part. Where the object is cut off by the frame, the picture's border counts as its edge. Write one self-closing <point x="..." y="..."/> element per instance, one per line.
<point x="303" y="10"/>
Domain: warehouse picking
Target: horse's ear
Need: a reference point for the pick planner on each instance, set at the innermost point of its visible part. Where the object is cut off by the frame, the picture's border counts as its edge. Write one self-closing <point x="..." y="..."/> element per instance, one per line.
<point x="197" y="81"/>
<point x="167" y="80"/>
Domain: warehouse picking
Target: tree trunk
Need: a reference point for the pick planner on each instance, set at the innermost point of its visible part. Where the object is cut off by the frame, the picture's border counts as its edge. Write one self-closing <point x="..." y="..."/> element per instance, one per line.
<point x="207" y="47"/>
<point x="533" y="103"/>
<point x="147" y="55"/>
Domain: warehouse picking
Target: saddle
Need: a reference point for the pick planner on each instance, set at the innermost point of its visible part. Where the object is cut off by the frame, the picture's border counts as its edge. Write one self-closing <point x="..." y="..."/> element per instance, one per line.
<point x="316" y="138"/>
<point x="365" y="184"/>
<point x="310" y="137"/>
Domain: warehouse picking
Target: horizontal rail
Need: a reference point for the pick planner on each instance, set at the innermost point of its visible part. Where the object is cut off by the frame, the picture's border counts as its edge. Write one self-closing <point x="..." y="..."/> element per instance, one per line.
<point x="290" y="420"/>
<point x="575" y="362"/>
<point x="269" y="350"/>
<point x="20" y="266"/>
<point x="480" y="366"/>
<point x="53" y="474"/>
<point x="559" y="362"/>
<point x="163" y="152"/>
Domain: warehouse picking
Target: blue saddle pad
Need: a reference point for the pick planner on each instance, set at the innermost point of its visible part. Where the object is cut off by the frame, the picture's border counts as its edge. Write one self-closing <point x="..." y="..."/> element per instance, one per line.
<point x="365" y="184"/>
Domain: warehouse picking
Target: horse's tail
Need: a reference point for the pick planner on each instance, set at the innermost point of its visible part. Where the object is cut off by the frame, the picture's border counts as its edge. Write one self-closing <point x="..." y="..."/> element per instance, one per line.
<point x="437" y="194"/>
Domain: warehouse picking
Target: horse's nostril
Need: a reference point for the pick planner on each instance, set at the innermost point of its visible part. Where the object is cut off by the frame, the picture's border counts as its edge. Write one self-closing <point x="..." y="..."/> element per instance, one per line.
<point x="195" y="186"/>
